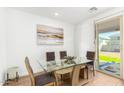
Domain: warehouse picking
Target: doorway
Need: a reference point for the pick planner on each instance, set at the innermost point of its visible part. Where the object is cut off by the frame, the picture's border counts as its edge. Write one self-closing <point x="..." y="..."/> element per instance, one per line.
<point x="109" y="55"/>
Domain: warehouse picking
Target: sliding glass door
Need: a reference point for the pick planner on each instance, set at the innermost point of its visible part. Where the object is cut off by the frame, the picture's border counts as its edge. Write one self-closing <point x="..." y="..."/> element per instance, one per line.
<point x="109" y="46"/>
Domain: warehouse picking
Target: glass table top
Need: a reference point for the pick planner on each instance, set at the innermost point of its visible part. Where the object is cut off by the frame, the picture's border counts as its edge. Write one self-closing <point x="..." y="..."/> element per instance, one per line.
<point x="57" y="65"/>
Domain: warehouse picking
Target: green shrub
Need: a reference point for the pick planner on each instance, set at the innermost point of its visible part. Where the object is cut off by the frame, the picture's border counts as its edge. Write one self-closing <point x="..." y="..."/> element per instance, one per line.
<point x="109" y="59"/>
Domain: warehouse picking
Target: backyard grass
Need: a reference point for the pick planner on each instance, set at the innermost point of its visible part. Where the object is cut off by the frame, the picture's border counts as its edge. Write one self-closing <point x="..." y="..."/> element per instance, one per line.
<point x="109" y="57"/>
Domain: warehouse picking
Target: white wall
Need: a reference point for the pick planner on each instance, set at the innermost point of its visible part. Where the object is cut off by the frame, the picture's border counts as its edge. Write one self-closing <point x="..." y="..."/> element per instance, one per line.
<point x="84" y="37"/>
<point x="85" y="31"/>
<point x="22" y="39"/>
<point x="3" y="43"/>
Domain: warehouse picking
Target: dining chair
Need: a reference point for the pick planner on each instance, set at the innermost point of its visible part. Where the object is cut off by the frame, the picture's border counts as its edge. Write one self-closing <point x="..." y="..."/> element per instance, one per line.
<point x="39" y="80"/>
<point x="59" y="73"/>
<point x="74" y="81"/>
<point x="90" y="56"/>
<point x="50" y="58"/>
<point x="63" y="54"/>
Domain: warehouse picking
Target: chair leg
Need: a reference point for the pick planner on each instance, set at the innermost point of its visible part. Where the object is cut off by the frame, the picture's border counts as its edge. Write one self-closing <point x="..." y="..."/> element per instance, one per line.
<point x="82" y="73"/>
<point x="54" y="83"/>
<point x="93" y="71"/>
<point x="58" y="79"/>
<point x="87" y="72"/>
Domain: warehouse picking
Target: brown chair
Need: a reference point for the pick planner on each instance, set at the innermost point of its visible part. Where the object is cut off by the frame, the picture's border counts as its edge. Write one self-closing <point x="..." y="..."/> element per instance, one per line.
<point x="39" y="80"/>
<point x="63" y="54"/>
<point x="50" y="56"/>
<point x="90" y="56"/>
<point x="74" y="81"/>
<point x="59" y="74"/>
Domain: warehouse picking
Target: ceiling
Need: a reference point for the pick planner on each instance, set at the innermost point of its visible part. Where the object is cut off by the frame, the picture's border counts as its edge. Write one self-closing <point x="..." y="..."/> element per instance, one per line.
<point x="73" y="15"/>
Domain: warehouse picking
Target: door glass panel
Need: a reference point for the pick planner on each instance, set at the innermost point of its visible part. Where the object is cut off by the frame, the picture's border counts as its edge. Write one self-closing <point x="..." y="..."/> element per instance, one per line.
<point x="109" y="52"/>
<point x="108" y="45"/>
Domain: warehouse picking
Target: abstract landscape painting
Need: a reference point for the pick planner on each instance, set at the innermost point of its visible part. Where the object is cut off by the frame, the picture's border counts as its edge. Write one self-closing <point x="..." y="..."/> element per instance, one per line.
<point x="47" y="35"/>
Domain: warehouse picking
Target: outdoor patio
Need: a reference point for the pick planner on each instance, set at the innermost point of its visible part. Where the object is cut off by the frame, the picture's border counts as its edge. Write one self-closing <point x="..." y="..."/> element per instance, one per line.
<point x="110" y="68"/>
<point x="109" y="62"/>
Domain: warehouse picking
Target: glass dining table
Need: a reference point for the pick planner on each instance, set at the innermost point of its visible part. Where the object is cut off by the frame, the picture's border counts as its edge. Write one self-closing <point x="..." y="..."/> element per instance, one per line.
<point x="59" y="65"/>
<point x="61" y="68"/>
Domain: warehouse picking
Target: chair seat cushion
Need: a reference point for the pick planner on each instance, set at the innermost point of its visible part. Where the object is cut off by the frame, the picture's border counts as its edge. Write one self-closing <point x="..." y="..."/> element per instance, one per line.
<point x="44" y="79"/>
